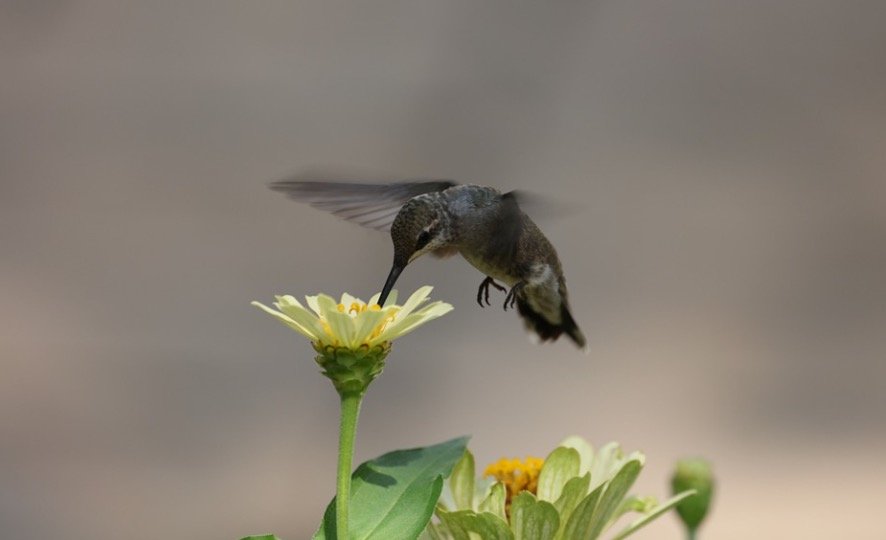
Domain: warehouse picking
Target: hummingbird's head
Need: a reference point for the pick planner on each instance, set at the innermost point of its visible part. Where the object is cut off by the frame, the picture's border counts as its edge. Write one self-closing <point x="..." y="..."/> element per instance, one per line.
<point x="420" y="227"/>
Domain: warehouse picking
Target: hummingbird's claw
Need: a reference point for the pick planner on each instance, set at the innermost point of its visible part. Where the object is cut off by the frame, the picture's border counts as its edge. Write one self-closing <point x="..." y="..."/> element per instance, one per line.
<point x="483" y="291"/>
<point x="511" y="298"/>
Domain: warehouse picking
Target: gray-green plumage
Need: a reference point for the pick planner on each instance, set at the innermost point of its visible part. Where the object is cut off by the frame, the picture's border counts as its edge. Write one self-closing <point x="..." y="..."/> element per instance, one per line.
<point x="485" y="226"/>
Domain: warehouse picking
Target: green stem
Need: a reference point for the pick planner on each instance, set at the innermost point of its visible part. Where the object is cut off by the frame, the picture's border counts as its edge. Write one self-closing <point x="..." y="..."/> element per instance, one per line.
<point x="691" y="534"/>
<point x="350" y="410"/>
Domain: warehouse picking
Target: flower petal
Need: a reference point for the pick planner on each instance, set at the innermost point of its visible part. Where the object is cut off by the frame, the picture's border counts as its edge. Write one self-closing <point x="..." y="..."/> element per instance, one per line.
<point x="415" y="299"/>
<point x="342" y="327"/>
<point x="392" y="298"/>
<point x="314" y="304"/>
<point x="347" y="300"/>
<point x="326" y="305"/>
<point x="365" y="323"/>
<point x="285" y="320"/>
<point x="299" y="314"/>
<point x="409" y="323"/>
<point x="561" y="465"/>
<point x="584" y="448"/>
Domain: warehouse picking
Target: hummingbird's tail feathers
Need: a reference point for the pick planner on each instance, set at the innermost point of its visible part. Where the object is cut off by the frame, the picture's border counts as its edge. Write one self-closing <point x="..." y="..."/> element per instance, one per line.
<point x="573" y="331"/>
<point x="548" y="331"/>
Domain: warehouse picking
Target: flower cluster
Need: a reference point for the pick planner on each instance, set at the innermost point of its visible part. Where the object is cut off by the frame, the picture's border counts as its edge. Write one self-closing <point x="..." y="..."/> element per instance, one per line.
<point x="576" y="492"/>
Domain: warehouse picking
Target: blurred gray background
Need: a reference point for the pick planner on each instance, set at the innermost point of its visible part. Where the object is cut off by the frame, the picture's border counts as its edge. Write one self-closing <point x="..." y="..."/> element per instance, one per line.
<point x="725" y="245"/>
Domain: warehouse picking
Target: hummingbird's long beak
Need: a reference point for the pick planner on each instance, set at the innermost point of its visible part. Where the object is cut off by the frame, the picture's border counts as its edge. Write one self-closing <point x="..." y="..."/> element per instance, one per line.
<point x="389" y="284"/>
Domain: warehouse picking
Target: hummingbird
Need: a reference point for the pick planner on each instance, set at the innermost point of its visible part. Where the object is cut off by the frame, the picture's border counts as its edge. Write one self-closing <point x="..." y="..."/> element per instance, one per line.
<point x="441" y="217"/>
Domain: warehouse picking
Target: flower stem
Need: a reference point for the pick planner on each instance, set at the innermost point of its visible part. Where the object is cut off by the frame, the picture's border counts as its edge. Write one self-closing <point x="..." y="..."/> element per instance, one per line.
<point x="350" y="410"/>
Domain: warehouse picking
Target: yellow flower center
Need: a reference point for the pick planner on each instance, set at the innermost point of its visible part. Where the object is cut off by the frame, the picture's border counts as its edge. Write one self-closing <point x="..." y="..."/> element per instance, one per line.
<point x="355" y="309"/>
<point x="358" y="307"/>
<point x="516" y="475"/>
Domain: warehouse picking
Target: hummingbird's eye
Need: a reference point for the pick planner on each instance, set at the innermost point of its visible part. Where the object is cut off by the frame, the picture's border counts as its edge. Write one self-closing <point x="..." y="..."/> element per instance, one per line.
<point x="423" y="238"/>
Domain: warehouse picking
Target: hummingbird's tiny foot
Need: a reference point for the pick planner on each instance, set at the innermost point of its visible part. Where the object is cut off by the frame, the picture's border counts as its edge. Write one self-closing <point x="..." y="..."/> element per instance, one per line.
<point x="483" y="291"/>
<point x="511" y="298"/>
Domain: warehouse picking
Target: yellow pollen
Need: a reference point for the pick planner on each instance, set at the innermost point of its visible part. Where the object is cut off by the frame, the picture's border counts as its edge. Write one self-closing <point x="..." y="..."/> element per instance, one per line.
<point x="516" y="475"/>
<point x="355" y="309"/>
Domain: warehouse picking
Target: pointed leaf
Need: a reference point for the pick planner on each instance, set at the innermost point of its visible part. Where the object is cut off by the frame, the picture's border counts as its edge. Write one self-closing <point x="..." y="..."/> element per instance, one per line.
<point x="532" y="519"/>
<point x="393" y="496"/>
<point x="561" y="465"/>
<point x="653" y="514"/>
<point x="461" y="482"/>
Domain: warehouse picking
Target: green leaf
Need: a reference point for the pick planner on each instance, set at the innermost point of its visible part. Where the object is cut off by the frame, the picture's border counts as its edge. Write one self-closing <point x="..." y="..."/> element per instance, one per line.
<point x="494" y="503"/>
<point x="461" y="482"/>
<point x="579" y="524"/>
<point x="616" y="489"/>
<point x="467" y="525"/>
<point x="573" y="492"/>
<point x="652" y="515"/>
<point x="393" y="496"/>
<point x="261" y="537"/>
<point x="532" y="519"/>
<point x="560" y="465"/>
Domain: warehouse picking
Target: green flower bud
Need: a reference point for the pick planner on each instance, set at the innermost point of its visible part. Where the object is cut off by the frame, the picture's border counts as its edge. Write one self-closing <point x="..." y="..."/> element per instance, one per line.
<point x="693" y="474"/>
<point x="351" y="370"/>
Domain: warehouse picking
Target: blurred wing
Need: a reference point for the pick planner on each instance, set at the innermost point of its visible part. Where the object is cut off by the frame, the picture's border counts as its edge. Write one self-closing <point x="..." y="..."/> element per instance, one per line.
<point x="370" y="205"/>
<point x="504" y="241"/>
<point x="545" y="207"/>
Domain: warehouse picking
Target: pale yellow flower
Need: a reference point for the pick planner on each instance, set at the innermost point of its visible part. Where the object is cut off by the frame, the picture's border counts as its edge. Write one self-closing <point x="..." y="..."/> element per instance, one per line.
<point x="576" y="492"/>
<point x="352" y="323"/>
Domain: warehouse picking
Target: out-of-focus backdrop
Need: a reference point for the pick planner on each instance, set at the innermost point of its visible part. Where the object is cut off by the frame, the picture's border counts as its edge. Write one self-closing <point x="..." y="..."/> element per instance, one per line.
<point x="722" y="169"/>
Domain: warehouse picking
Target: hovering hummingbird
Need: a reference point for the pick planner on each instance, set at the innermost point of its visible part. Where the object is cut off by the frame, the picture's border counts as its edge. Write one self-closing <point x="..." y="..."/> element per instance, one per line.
<point x="441" y="217"/>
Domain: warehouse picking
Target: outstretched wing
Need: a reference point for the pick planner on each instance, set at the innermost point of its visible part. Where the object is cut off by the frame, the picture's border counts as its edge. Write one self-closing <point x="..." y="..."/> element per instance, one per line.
<point x="370" y="205"/>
